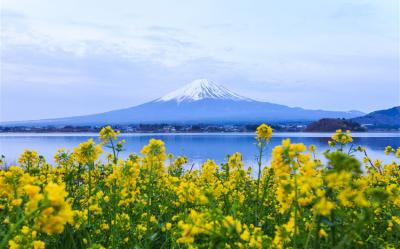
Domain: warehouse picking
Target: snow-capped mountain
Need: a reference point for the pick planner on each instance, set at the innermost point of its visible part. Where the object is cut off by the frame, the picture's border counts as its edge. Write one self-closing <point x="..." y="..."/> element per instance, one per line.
<point x="201" y="89"/>
<point x="201" y="101"/>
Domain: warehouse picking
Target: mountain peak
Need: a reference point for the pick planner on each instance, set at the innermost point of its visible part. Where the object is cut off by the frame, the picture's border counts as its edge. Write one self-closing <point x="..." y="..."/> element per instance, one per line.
<point x="201" y="83"/>
<point x="201" y="89"/>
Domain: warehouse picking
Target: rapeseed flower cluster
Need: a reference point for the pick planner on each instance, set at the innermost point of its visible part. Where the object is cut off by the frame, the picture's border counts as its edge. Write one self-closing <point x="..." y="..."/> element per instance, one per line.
<point x="87" y="152"/>
<point x="264" y="132"/>
<point x="341" y="138"/>
<point x="155" y="200"/>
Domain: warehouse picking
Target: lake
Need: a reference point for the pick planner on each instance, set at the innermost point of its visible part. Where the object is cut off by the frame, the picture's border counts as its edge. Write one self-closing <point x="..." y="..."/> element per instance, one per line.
<point x="197" y="147"/>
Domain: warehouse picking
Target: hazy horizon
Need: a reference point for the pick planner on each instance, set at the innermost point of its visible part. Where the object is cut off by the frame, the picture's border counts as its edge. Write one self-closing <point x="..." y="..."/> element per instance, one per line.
<point x="70" y="58"/>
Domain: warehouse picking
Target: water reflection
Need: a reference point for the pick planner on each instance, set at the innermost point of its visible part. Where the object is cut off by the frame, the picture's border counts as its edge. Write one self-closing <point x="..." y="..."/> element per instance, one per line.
<point x="198" y="148"/>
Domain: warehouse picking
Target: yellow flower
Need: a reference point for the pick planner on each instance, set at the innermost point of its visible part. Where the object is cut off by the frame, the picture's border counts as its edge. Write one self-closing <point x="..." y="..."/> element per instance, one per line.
<point x="57" y="212"/>
<point x="87" y="152"/>
<point x="264" y="132"/>
<point x="324" y="207"/>
<point x="105" y="226"/>
<point x="289" y="226"/>
<point x="206" y="206"/>
<point x="388" y="150"/>
<point x="13" y="245"/>
<point x="229" y="221"/>
<point x="167" y="227"/>
<point x="55" y="194"/>
<point x="16" y="202"/>
<point x="153" y="219"/>
<point x="25" y="230"/>
<point x="107" y="134"/>
<point x="341" y="137"/>
<point x="245" y="235"/>
<point x="155" y="150"/>
<point x="322" y="233"/>
<point x="396" y="219"/>
<point x="38" y="244"/>
<point x="28" y="159"/>
<point x="95" y="209"/>
<point x="390" y="226"/>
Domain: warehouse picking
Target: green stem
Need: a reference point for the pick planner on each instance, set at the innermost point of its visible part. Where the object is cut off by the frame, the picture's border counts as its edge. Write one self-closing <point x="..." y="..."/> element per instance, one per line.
<point x="333" y="228"/>
<point x="311" y="229"/>
<point x="71" y="237"/>
<point x="316" y="242"/>
<point x="113" y="226"/>
<point x="372" y="165"/>
<point x="258" y="180"/>
<point x="12" y="230"/>
<point x="5" y="239"/>
<point x="113" y="149"/>
<point x="90" y="194"/>
<point x="295" y="210"/>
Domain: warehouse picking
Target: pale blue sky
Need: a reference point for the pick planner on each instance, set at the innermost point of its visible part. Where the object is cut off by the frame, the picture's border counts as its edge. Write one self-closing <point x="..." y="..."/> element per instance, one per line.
<point x="64" y="58"/>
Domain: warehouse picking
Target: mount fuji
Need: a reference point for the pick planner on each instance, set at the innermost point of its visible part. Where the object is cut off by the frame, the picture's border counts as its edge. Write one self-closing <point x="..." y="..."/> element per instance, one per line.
<point x="201" y="101"/>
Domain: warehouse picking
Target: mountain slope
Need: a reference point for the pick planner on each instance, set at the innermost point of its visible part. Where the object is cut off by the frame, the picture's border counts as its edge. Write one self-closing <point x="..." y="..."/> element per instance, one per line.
<point x="201" y="101"/>
<point x="389" y="118"/>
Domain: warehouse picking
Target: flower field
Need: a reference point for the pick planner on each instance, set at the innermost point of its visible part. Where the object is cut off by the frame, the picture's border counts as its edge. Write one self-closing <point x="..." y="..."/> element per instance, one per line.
<point x="156" y="200"/>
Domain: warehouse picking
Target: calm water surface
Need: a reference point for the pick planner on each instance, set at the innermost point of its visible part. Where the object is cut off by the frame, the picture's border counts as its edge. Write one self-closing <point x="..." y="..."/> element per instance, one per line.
<point x="197" y="147"/>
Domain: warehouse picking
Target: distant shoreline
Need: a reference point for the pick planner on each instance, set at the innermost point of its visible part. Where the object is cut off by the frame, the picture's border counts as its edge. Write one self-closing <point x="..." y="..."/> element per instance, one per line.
<point x="323" y="125"/>
<point x="133" y="134"/>
<point x="185" y="132"/>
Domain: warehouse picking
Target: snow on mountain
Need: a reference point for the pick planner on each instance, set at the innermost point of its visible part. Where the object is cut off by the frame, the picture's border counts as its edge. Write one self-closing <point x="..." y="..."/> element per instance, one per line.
<point x="201" y="89"/>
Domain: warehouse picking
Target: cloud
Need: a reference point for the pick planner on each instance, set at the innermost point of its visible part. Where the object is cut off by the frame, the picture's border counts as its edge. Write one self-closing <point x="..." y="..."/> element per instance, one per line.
<point x="114" y="57"/>
<point x="80" y="38"/>
<point x="21" y="75"/>
<point x="164" y="29"/>
<point x="353" y="10"/>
